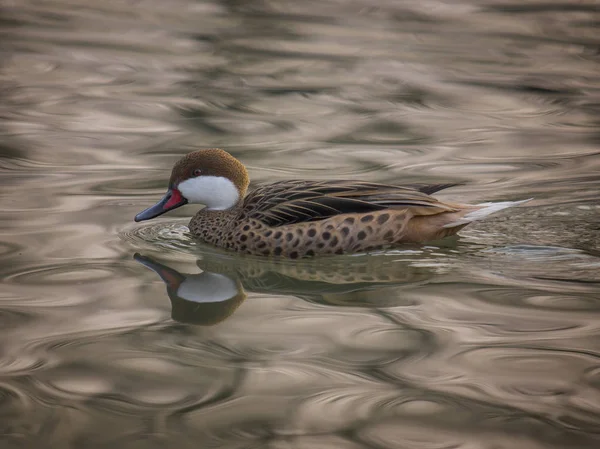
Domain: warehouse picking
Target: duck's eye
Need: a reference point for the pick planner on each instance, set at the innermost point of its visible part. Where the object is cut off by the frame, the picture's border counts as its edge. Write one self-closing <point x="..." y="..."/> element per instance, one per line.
<point x="197" y="172"/>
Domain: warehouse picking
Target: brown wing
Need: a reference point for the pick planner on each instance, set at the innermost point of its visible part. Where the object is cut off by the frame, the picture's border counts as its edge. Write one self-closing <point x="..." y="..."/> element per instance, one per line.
<point x="290" y="202"/>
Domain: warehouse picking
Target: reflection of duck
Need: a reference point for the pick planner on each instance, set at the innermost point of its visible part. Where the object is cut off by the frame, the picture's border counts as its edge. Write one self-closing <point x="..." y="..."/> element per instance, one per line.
<point x="305" y="218"/>
<point x="205" y="298"/>
<point x="212" y="296"/>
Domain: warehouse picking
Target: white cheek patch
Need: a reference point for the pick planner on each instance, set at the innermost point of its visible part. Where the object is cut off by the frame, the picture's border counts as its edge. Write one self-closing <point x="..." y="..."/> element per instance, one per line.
<point x="207" y="287"/>
<point x="215" y="192"/>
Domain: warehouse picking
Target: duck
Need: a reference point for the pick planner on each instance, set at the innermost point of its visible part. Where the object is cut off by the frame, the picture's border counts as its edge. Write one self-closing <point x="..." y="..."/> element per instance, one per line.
<point x="301" y="218"/>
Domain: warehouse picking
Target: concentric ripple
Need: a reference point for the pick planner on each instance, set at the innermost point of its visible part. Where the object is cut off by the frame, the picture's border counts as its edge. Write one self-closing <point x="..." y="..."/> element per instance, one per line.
<point x="173" y="236"/>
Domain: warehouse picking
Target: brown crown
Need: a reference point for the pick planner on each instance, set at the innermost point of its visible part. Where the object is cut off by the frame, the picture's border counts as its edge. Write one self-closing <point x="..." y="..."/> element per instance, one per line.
<point x="211" y="162"/>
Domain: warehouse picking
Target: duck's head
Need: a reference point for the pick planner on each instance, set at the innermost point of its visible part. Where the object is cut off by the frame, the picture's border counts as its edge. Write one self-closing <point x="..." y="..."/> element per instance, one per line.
<point x="211" y="177"/>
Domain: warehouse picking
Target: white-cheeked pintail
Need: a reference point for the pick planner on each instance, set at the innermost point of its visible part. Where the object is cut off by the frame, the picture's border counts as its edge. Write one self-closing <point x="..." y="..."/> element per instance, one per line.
<point x="296" y="219"/>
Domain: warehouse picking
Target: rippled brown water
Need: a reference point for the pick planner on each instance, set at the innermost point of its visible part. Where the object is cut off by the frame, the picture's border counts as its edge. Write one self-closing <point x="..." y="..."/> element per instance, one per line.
<point x="488" y="341"/>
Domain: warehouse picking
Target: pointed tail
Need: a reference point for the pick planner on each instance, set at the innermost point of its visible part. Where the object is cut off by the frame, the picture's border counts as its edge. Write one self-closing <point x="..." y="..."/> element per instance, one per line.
<point x="485" y="210"/>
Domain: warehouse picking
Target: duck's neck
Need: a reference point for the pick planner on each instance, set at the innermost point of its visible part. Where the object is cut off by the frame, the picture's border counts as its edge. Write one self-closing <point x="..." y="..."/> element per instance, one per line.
<point x="212" y="225"/>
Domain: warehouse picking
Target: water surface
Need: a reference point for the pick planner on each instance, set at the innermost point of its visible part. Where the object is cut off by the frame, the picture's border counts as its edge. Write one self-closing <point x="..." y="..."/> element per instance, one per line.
<point x="487" y="341"/>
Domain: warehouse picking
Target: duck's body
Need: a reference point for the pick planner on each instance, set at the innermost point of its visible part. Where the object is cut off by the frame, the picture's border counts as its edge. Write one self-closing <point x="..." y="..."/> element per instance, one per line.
<point x="297" y="219"/>
<point x="301" y="218"/>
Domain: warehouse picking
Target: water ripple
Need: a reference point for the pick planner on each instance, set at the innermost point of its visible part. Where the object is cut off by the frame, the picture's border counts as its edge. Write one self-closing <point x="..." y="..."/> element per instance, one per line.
<point x="61" y="274"/>
<point x="171" y="236"/>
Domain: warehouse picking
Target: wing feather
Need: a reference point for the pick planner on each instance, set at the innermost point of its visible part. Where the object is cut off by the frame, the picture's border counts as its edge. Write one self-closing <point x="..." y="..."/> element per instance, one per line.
<point x="288" y="202"/>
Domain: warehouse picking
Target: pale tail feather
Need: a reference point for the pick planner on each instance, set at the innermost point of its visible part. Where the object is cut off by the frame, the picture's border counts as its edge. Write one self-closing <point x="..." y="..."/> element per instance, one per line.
<point x="486" y="209"/>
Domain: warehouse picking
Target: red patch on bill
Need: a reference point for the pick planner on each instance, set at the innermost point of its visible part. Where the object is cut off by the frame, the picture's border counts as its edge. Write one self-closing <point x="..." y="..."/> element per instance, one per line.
<point x="175" y="199"/>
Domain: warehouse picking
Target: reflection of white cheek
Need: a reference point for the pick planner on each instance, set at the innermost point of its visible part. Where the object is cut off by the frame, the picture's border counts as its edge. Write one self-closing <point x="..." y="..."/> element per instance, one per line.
<point x="216" y="192"/>
<point x="207" y="287"/>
